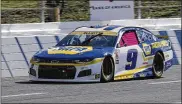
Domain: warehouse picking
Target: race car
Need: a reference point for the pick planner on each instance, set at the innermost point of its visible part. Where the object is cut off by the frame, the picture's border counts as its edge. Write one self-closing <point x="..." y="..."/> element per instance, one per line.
<point x="103" y="54"/>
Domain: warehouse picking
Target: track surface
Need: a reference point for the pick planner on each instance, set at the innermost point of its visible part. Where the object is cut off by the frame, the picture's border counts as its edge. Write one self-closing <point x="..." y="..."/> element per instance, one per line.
<point x="163" y="90"/>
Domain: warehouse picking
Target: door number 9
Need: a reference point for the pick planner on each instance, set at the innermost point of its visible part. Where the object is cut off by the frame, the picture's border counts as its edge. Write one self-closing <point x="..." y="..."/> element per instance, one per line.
<point x="131" y="58"/>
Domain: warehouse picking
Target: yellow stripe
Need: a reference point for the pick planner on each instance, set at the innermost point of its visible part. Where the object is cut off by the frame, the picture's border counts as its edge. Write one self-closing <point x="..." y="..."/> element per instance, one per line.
<point x="130" y="73"/>
<point x="163" y="37"/>
<point x="123" y="77"/>
<point x="97" y="60"/>
<point x="93" y="33"/>
<point x="147" y="58"/>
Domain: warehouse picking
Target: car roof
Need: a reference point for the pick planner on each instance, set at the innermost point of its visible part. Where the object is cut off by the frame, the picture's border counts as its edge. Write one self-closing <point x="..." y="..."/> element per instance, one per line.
<point x="107" y="29"/>
<point x="112" y="28"/>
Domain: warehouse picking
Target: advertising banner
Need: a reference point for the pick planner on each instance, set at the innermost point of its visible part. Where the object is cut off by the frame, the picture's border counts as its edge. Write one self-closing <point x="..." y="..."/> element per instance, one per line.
<point x="111" y="10"/>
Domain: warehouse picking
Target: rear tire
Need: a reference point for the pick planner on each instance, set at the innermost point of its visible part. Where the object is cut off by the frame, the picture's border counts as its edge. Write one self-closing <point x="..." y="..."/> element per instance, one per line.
<point x="107" y="70"/>
<point x="158" y="65"/>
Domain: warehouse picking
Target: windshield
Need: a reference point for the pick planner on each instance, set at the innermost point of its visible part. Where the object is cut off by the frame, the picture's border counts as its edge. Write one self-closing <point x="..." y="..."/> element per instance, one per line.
<point x="77" y="40"/>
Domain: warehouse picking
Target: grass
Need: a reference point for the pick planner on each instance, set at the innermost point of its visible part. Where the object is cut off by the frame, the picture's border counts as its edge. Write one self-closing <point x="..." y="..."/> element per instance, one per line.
<point x="19" y="4"/>
<point x="9" y="15"/>
<point x="78" y="10"/>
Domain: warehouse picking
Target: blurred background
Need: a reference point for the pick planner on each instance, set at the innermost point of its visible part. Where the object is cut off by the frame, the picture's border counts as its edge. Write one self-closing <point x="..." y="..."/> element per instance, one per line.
<point x="37" y="11"/>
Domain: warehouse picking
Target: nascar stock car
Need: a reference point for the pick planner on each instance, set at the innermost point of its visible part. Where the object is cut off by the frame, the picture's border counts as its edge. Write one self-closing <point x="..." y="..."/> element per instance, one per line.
<point x="103" y="53"/>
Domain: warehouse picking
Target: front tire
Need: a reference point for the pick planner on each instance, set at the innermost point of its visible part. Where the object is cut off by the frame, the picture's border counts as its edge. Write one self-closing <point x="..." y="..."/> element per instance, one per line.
<point x="107" y="70"/>
<point x="158" y="65"/>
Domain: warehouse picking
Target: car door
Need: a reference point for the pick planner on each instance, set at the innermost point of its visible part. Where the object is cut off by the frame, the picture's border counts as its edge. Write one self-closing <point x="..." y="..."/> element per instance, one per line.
<point x="128" y="52"/>
<point x="146" y="40"/>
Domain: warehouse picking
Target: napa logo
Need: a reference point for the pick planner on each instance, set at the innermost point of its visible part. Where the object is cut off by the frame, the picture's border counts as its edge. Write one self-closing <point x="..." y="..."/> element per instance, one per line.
<point x="69" y="50"/>
<point x="147" y="49"/>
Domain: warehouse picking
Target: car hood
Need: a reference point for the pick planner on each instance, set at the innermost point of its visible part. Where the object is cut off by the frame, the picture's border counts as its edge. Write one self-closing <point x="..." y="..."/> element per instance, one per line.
<point x="74" y="52"/>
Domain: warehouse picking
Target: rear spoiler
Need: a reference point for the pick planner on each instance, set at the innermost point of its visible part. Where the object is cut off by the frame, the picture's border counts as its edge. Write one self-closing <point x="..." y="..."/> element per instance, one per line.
<point x="162" y="37"/>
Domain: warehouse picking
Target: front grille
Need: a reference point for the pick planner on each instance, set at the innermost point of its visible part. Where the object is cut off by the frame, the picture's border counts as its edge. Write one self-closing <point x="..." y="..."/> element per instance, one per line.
<point x="84" y="73"/>
<point x="56" y="72"/>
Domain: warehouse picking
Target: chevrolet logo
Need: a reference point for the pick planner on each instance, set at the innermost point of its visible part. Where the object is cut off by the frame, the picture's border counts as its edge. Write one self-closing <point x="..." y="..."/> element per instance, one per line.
<point x="54" y="61"/>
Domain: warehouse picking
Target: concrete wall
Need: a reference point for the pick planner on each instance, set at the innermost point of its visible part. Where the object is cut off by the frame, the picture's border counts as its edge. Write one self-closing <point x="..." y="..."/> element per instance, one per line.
<point x="55" y="28"/>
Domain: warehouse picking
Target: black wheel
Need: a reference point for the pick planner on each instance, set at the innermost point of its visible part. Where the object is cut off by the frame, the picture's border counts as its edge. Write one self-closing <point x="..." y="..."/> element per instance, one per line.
<point x="107" y="70"/>
<point x="158" y="65"/>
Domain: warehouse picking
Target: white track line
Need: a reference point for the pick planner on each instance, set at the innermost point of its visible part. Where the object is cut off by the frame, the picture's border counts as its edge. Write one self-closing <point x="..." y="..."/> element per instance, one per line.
<point x="165" y="82"/>
<point x="177" y="102"/>
<point x="22" y="95"/>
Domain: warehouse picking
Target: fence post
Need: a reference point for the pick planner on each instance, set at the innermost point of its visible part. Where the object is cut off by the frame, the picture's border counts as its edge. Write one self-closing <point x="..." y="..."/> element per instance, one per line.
<point x="139" y="9"/>
<point x="42" y="11"/>
<point x="57" y="14"/>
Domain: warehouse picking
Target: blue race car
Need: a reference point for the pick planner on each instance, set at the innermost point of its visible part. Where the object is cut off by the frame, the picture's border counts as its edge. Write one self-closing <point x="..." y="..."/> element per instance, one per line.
<point x="103" y="53"/>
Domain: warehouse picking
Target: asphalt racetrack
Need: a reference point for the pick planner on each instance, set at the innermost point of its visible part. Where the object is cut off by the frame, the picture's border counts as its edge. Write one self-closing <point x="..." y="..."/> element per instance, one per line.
<point x="163" y="90"/>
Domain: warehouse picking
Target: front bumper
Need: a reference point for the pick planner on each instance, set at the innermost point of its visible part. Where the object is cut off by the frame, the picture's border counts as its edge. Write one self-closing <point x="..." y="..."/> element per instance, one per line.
<point x="81" y="73"/>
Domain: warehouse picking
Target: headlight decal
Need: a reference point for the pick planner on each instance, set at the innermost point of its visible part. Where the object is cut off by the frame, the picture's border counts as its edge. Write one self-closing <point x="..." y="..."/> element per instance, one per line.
<point x="94" y="61"/>
<point x="35" y="59"/>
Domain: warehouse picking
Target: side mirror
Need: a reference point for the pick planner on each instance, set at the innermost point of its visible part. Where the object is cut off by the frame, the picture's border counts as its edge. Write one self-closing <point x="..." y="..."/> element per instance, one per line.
<point x="118" y="45"/>
<point x="125" y="44"/>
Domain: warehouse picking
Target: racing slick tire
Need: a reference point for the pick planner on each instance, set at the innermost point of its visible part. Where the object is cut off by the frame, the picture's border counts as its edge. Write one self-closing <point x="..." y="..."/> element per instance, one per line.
<point x="158" y="65"/>
<point x="107" y="70"/>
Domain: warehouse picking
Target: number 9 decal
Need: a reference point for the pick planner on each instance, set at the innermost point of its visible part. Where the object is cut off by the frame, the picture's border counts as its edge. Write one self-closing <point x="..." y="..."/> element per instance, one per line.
<point x="131" y="59"/>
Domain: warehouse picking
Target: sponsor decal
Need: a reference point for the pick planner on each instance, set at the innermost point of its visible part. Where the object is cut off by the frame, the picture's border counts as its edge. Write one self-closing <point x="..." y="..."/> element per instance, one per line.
<point x="160" y="44"/>
<point x="166" y="56"/>
<point x="156" y="45"/>
<point x="97" y="76"/>
<point x="93" y="33"/>
<point x="145" y="62"/>
<point x="116" y="56"/>
<point x="168" y="64"/>
<point x="142" y="75"/>
<point x="110" y="7"/>
<point x="164" y="43"/>
<point x="117" y="61"/>
<point x="69" y="50"/>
